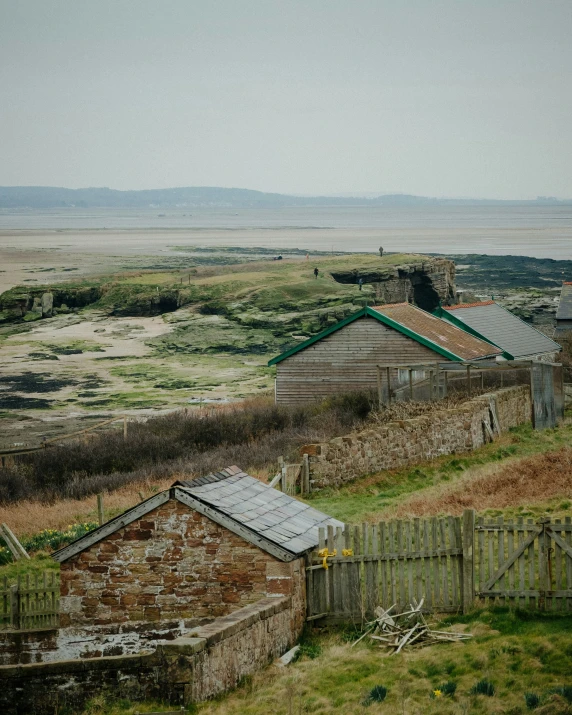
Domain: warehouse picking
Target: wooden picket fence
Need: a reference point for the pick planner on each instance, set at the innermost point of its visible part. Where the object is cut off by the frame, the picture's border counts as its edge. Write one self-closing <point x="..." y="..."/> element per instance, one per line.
<point x="450" y="562"/>
<point x="31" y="603"/>
<point x="524" y="564"/>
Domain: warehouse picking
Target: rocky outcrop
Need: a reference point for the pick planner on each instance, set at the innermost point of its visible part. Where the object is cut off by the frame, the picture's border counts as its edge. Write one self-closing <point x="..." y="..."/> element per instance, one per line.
<point x="426" y="283"/>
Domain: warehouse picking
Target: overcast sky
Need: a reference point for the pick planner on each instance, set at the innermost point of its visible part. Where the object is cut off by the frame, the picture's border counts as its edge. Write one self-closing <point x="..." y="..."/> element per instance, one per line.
<point x="433" y="97"/>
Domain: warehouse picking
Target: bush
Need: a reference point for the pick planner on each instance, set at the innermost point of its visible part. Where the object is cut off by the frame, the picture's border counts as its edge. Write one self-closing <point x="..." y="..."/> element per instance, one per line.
<point x="483" y="687"/>
<point x="376" y="695"/>
<point x="449" y="688"/>
<point x="191" y="442"/>
<point x="53" y="539"/>
<point x="532" y="700"/>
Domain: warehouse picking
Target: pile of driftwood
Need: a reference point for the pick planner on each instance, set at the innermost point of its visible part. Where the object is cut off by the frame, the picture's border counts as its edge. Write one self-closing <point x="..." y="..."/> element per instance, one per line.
<point x="405" y="630"/>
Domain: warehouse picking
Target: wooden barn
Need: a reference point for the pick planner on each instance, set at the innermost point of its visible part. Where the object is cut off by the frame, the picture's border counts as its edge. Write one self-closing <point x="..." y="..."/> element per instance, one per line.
<point x="345" y="357"/>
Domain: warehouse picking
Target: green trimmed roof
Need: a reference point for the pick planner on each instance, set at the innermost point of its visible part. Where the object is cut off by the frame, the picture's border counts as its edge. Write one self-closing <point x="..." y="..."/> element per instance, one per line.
<point x="379" y="316"/>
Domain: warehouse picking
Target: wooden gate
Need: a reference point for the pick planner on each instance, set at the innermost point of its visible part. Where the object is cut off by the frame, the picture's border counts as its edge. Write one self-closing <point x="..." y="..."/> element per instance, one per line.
<point x="358" y="568"/>
<point x="524" y="564"/>
<point x="447" y="561"/>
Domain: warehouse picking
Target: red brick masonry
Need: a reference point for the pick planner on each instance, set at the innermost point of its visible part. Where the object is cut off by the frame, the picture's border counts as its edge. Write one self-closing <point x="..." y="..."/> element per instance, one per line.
<point x="172" y="563"/>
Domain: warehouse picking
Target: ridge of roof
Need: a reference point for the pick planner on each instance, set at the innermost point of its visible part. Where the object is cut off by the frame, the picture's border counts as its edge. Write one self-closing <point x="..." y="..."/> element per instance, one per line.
<point x="275" y="522"/>
<point x="382" y="318"/>
<point x="477" y="304"/>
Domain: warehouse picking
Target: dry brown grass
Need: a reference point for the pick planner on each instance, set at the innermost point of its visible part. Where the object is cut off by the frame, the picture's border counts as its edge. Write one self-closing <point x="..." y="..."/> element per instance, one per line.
<point x="519" y="483"/>
<point x="29" y="517"/>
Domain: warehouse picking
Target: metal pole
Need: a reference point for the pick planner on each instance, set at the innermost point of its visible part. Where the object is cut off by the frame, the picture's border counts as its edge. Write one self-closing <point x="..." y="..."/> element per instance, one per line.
<point x="431" y="378"/>
<point x="379" y="395"/>
<point x="411" y="385"/>
<point x="124" y="427"/>
<point x="437" y="381"/>
<point x="446" y="383"/>
<point x="482" y="379"/>
<point x="469" y="380"/>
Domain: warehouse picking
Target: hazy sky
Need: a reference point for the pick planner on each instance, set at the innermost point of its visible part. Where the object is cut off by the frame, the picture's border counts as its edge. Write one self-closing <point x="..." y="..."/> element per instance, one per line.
<point x="434" y="97"/>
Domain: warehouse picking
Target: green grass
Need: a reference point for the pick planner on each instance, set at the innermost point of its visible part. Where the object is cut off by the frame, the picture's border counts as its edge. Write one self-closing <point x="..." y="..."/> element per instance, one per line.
<point x="516" y="652"/>
<point x="371" y="497"/>
<point x="37" y="564"/>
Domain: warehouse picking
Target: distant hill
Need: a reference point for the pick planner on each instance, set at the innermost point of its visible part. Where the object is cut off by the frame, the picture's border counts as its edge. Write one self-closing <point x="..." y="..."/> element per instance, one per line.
<point x="44" y="197"/>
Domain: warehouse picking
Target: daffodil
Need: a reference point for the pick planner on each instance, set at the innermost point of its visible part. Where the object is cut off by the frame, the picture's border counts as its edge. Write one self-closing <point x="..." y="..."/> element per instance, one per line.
<point x="437" y="693"/>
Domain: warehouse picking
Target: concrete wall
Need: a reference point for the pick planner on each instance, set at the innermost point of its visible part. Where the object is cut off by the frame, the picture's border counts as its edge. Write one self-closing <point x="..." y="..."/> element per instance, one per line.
<point x="209" y="660"/>
<point x="398" y="444"/>
<point x="171" y="563"/>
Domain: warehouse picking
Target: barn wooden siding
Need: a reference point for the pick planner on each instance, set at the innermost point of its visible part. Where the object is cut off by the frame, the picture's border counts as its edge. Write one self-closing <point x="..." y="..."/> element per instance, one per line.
<point x="346" y="361"/>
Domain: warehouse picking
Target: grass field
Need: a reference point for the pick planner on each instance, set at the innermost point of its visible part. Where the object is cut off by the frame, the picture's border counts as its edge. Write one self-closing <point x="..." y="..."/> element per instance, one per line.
<point x="525" y="658"/>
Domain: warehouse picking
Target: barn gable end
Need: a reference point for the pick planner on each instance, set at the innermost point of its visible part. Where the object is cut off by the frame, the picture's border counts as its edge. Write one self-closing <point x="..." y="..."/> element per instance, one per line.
<point x="170" y="563"/>
<point x="346" y="361"/>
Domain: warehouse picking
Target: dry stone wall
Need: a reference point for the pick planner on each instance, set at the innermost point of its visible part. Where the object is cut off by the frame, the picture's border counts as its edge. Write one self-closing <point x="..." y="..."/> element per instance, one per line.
<point x="398" y="444"/>
<point x="208" y="661"/>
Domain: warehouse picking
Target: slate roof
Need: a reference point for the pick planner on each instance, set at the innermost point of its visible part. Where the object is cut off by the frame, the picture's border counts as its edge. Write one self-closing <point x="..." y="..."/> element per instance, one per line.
<point x="277" y="517"/>
<point x="262" y="515"/>
<point x="446" y="340"/>
<point x="445" y="335"/>
<point x="492" y="322"/>
<point x="564" y="311"/>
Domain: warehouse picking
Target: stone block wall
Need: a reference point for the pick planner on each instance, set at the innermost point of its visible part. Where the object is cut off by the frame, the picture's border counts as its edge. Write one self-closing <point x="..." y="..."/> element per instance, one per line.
<point x="171" y="563"/>
<point x="207" y="661"/>
<point x="398" y="444"/>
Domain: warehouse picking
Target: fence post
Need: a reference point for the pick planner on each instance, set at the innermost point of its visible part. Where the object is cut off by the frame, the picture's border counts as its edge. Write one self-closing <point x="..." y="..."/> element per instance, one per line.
<point x="305" y="474"/>
<point x="14" y="606"/>
<point x="468" y="536"/>
<point x="124" y="427"/>
<point x="543" y="566"/>
<point x="388" y="373"/>
<point x="379" y="393"/>
<point x="100" y="511"/>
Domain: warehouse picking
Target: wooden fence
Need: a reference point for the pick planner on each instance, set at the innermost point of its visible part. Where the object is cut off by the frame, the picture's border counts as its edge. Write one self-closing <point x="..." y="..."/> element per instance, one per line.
<point x="32" y="603"/>
<point x="524" y="564"/>
<point x="450" y="562"/>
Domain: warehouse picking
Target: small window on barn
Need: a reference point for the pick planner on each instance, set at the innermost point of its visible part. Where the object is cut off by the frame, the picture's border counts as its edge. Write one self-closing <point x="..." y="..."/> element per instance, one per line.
<point x="403" y="376"/>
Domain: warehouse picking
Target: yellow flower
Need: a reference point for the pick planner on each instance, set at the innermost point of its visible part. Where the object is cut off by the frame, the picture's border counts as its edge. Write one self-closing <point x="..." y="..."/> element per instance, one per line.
<point x="437" y="693"/>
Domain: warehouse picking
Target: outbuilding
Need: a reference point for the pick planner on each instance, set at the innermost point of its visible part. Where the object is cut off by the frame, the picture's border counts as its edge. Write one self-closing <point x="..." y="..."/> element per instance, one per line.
<point x="564" y="312"/>
<point x="345" y="357"/>
<point x="201" y="549"/>
<point x="489" y="321"/>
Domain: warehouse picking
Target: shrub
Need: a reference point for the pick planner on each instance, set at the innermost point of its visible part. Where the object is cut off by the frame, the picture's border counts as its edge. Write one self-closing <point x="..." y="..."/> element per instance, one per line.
<point x="376" y="695"/>
<point x="483" y="687"/>
<point x="532" y="700"/>
<point x="449" y="688"/>
<point x="53" y="539"/>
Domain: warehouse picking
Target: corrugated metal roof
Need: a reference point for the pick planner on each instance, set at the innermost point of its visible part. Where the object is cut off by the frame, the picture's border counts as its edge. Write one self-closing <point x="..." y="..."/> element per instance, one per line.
<point x="277" y="517"/>
<point x="564" y="311"/>
<point x="503" y="328"/>
<point x="438" y="331"/>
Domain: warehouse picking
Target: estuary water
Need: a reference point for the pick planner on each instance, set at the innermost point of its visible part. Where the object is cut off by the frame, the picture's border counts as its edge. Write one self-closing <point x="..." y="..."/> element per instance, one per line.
<point x="540" y="231"/>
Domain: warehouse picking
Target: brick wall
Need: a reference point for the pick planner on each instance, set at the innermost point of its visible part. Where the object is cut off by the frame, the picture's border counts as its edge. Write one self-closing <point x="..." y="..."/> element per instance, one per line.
<point x="398" y="444"/>
<point x="171" y="563"/>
